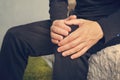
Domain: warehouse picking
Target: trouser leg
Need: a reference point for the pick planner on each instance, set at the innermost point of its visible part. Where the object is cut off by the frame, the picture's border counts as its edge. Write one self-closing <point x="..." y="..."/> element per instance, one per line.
<point x="67" y="69"/>
<point x="20" y="42"/>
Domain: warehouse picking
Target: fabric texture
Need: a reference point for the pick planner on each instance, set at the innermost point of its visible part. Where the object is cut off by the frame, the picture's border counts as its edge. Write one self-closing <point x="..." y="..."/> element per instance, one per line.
<point x="105" y="65"/>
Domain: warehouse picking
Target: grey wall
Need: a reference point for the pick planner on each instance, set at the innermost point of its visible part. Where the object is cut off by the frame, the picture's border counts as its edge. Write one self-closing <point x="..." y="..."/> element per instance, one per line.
<point x="16" y="12"/>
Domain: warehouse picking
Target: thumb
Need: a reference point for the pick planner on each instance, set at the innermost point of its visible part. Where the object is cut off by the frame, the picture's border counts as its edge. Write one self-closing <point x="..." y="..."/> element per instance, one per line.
<point x="71" y="17"/>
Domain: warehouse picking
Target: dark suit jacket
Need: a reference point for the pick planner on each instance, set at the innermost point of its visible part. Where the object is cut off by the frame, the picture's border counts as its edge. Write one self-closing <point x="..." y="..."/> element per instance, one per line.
<point x="110" y="23"/>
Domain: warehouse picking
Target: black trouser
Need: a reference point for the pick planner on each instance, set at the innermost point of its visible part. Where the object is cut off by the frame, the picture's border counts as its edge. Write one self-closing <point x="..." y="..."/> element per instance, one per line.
<point x="34" y="40"/>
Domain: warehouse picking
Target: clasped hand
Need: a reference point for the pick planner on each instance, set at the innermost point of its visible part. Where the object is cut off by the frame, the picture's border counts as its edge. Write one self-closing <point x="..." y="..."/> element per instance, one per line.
<point x="77" y="42"/>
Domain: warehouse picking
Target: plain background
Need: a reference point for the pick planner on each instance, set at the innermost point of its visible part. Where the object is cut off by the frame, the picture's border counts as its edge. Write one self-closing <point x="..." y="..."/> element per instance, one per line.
<point x="18" y="12"/>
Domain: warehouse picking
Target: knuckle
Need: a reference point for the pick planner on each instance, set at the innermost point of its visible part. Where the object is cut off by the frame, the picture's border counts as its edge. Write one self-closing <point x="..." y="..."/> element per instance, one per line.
<point x="68" y="46"/>
<point x="61" y="37"/>
<point x="58" y="37"/>
<point x="77" y="49"/>
<point x="71" y="52"/>
<point x="57" y="22"/>
<point x="52" y="34"/>
<point x="68" y="39"/>
<point x="52" y="27"/>
<point x="53" y="41"/>
<point x="54" y="22"/>
<point x="72" y="44"/>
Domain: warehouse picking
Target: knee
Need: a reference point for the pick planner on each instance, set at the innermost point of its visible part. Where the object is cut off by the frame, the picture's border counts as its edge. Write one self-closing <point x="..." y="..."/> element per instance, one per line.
<point x="13" y="32"/>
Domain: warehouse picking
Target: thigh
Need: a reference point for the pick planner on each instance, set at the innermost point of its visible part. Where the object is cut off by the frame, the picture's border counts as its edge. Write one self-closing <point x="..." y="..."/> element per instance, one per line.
<point x="37" y="37"/>
<point x="115" y="40"/>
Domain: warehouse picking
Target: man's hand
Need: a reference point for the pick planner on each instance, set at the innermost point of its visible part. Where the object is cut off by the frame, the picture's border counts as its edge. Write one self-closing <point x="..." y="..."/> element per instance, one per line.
<point x="59" y="29"/>
<point x="79" y="41"/>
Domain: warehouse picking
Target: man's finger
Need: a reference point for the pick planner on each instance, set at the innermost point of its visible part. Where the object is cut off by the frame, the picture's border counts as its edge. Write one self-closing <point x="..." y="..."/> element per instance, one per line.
<point x="71" y="17"/>
<point x="74" y="22"/>
<point x="60" y="31"/>
<point x="70" y="45"/>
<point x="80" y="53"/>
<point x="74" y="50"/>
<point x="72" y="36"/>
<point x="54" y="41"/>
<point x="61" y="24"/>
<point x="88" y="45"/>
<point x="56" y="36"/>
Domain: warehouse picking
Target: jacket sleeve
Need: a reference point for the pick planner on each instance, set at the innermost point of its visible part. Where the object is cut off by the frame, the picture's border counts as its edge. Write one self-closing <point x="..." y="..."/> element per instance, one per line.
<point x="110" y="25"/>
<point x="58" y="9"/>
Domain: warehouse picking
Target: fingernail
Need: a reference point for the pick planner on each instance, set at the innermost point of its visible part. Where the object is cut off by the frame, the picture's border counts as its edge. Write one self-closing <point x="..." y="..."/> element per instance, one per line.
<point x="58" y="50"/>
<point x="72" y="57"/>
<point x="63" y="54"/>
